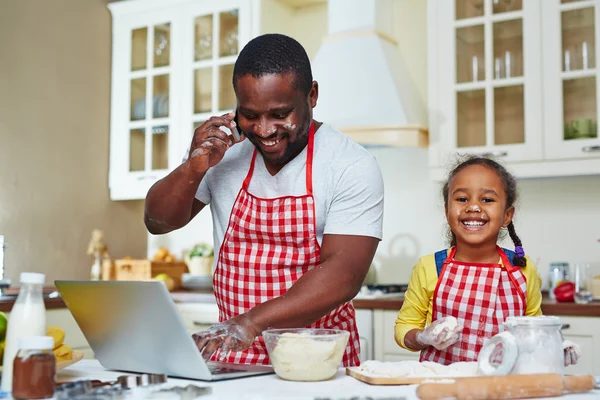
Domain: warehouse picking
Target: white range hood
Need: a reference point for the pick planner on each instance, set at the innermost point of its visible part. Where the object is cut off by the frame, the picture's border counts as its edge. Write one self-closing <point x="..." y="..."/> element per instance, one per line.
<point x="365" y="90"/>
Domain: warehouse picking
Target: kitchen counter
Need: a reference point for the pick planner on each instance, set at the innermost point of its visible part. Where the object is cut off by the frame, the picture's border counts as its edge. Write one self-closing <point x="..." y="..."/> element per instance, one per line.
<point x="271" y="387"/>
<point x="8" y="298"/>
<point x="549" y="307"/>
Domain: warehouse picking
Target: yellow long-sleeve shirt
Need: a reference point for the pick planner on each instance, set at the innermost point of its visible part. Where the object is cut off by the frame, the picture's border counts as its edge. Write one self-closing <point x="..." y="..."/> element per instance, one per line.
<point x="418" y="300"/>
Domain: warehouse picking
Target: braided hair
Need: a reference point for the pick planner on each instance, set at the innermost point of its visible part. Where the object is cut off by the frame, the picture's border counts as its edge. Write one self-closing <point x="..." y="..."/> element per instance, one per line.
<point x="274" y="53"/>
<point x="510" y="188"/>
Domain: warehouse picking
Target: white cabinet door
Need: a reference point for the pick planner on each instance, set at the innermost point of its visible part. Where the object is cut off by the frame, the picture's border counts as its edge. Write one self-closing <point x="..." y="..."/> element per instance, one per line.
<point x="213" y="35"/>
<point x="488" y="77"/>
<point x="386" y="348"/>
<point x="364" y="324"/>
<point x="571" y="84"/>
<point x="144" y="99"/>
<point x="585" y="331"/>
<point x="198" y="316"/>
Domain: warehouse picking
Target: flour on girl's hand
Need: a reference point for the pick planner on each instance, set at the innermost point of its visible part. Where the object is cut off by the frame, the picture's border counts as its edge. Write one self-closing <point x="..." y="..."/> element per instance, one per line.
<point x="450" y="324"/>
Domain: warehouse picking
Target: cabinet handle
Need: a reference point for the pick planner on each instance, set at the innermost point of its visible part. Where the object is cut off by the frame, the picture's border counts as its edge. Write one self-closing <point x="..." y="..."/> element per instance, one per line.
<point x="493" y="154"/>
<point x="565" y="326"/>
<point x="589" y="149"/>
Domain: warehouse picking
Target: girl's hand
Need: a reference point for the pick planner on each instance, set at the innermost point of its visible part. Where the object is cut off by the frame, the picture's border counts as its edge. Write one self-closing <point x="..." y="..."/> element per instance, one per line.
<point x="441" y="334"/>
<point x="572" y="352"/>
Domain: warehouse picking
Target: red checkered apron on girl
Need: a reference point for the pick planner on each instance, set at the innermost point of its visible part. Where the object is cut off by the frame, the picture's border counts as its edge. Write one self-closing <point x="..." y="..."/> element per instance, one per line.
<point x="480" y="297"/>
<point x="268" y="245"/>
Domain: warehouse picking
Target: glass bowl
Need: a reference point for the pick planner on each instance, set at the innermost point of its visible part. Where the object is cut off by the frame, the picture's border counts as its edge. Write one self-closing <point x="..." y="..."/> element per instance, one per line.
<point x="305" y="354"/>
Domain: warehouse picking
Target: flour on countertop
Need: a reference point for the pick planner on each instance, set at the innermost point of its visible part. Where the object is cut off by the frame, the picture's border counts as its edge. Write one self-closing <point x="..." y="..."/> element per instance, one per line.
<point x="416" y="369"/>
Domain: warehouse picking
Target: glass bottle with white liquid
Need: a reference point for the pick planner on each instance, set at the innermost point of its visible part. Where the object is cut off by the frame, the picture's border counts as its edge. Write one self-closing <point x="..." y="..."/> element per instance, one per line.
<point x="27" y="318"/>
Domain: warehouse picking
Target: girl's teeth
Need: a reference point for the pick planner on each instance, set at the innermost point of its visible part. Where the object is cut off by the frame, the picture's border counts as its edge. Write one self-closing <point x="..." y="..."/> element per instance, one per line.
<point x="473" y="223"/>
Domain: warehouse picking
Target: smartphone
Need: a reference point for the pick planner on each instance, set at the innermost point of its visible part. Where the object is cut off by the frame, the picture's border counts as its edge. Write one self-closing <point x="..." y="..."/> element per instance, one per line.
<point x="237" y="132"/>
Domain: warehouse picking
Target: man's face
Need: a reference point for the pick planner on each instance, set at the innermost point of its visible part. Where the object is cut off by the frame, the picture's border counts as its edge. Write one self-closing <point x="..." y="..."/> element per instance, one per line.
<point x="275" y="115"/>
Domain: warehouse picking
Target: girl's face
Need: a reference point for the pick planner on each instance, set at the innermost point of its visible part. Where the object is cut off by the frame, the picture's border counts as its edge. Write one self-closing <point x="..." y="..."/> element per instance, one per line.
<point x="476" y="208"/>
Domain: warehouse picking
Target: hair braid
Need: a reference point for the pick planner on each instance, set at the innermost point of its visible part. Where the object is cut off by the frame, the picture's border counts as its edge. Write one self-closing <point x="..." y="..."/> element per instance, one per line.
<point x="519" y="258"/>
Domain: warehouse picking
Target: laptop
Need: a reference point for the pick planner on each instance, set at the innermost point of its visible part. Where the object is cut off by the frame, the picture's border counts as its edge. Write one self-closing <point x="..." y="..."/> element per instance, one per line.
<point x="135" y="326"/>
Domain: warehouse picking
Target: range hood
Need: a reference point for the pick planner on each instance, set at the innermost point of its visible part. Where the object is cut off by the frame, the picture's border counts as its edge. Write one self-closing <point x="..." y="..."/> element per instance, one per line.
<point x="365" y="90"/>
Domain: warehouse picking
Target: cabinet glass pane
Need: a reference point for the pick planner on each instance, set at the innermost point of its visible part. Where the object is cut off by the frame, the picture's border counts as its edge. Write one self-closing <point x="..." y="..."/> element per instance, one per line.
<point x="138" y="99"/>
<point x="203" y="90"/>
<point x="468" y="8"/>
<point x="578" y="39"/>
<point x="162" y="45"/>
<point x="160" y="99"/>
<point x="501" y="6"/>
<point x="137" y="149"/>
<point x="509" y="115"/>
<point x="160" y="147"/>
<point x="470" y="114"/>
<point x="203" y="37"/>
<point x="228" y="36"/>
<point x="470" y="66"/>
<point x="139" y="38"/>
<point x="508" y="49"/>
<point x="579" y="108"/>
<point x="227" y="98"/>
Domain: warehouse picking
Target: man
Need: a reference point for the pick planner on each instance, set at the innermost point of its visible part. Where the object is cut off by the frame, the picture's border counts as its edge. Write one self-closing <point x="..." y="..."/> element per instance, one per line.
<point x="297" y="208"/>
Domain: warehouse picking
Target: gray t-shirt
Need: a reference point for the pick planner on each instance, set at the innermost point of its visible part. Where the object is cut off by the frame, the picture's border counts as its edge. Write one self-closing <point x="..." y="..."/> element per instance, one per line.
<point x="347" y="185"/>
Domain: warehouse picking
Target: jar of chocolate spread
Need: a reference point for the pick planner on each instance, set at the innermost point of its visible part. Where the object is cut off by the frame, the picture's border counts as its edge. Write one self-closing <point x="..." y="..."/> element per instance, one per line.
<point x="34" y="368"/>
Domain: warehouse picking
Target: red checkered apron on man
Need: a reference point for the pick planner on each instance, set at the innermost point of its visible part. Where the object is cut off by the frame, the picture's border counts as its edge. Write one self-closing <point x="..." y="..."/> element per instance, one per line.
<point x="269" y="244"/>
<point x="480" y="297"/>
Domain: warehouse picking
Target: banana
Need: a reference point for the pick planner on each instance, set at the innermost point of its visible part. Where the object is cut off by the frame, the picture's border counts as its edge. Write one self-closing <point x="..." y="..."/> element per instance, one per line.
<point x="57" y="333"/>
<point x="63" y="353"/>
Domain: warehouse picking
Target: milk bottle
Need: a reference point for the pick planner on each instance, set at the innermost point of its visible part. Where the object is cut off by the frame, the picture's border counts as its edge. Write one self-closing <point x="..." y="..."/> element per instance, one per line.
<point x="27" y="318"/>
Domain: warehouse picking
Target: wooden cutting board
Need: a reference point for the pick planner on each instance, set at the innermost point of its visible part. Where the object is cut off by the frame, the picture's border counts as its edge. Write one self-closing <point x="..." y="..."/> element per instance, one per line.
<point x="356" y="373"/>
<point x="76" y="357"/>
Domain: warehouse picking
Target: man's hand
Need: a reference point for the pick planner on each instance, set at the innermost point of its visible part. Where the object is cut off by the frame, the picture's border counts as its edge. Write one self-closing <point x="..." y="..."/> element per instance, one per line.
<point x="439" y="336"/>
<point x="210" y="143"/>
<point x="235" y="334"/>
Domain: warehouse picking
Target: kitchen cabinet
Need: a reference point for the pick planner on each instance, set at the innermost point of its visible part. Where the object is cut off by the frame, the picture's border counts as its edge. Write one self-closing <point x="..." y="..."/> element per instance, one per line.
<point x="74" y="338"/>
<point x="171" y="70"/>
<point x="571" y="78"/>
<point x="198" y="316"/>
<point x="585" y="331"/>
<point x="385" y="347"/>
<point x="499" y="85"/>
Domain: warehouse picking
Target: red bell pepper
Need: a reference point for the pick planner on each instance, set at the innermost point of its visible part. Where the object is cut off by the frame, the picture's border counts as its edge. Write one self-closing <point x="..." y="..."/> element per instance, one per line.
<point x="565" y="292"/>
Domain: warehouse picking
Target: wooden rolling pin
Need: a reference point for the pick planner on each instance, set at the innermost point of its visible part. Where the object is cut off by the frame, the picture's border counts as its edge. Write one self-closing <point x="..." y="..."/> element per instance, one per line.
<point x="506" y="387"/>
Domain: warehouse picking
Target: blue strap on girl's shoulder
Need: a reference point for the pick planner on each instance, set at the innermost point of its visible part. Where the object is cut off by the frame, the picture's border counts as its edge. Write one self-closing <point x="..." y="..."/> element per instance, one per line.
<point x="510" y="255"/>
<point x="441" y="256"/>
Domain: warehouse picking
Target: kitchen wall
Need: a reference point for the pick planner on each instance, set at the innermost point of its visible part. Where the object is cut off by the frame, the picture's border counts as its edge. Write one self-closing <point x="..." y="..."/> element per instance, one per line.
<point x="54" y="137"/>
<point x="557" y="219"/>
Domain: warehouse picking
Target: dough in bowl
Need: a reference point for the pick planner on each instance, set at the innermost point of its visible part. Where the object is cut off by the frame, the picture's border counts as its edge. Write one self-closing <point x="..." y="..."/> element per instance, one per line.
<point x="304" y="357"/>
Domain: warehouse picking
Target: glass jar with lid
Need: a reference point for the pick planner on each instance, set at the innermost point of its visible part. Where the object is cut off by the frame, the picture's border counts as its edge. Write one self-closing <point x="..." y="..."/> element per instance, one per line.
<point x="34" y="368"/>
<point x="530" y="345"/>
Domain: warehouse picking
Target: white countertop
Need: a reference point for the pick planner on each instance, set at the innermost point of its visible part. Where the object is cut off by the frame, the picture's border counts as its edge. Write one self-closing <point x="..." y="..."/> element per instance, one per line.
<point x="271" y="387"/>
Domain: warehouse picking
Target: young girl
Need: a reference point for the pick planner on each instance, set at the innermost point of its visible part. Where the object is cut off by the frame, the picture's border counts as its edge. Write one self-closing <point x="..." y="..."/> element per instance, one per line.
<point x="465" y="293"/>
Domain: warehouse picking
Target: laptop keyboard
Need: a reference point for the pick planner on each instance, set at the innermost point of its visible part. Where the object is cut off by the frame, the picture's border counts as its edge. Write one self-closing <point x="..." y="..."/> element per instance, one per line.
<point x="216" y="370"/>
